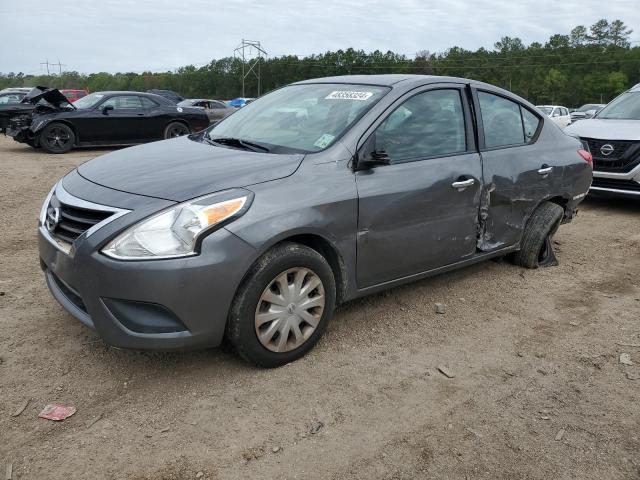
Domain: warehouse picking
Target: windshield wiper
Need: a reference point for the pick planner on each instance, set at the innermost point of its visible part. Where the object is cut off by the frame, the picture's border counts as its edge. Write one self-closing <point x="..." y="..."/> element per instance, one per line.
<point x="246" y="144"/>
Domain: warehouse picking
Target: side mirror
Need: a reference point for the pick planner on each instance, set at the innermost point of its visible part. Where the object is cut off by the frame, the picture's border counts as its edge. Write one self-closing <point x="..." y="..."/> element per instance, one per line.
<point x="106" y="109"/>
<point x="368" y="157"/>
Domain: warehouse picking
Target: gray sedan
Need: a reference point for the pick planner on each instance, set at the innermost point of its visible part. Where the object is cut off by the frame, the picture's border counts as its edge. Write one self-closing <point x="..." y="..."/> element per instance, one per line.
<point x="215" y="109"/>
<point x="315" y="194"/>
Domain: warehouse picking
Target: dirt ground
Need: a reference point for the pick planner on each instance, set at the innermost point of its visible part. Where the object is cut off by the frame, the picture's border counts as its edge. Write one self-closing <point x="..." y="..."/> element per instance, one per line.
<point x="538" y="391"/>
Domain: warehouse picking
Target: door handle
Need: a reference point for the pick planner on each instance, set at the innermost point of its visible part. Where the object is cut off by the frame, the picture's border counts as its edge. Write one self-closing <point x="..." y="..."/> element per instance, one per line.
<point x="545" y="170"/>
<point x="463" y="183"/>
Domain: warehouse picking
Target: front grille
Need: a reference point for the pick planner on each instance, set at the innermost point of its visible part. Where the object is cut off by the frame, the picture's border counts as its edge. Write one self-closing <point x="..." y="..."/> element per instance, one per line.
<point x="624" y="157"/>
<point x="19" y="121"/>
<point x="74" y="221"/>
<point x="628" y="185"/>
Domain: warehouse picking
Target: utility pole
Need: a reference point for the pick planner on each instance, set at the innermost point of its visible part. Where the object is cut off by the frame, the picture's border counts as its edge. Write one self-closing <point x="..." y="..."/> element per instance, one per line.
<point x="250" y="53"/>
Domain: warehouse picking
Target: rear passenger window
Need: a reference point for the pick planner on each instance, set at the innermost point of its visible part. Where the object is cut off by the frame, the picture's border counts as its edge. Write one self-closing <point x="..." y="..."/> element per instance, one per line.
<point x="426" y="125"/>
<point x="501" y="121"/>
<point x="147" y="103"/>
<point x="530" y="123"/>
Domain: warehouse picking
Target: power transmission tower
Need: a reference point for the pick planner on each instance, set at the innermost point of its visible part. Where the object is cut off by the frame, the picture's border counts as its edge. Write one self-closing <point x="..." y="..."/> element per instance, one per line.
<point x="48" y="64"/>
<point x="250" y="53"/>
<point x="59" y="65"/>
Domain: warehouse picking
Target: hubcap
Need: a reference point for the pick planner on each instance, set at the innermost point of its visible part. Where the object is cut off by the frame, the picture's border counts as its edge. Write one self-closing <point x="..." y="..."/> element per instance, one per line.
<point x="57" y="138"/>
<point x="289" y="309"/>
<point x="177" y="132"/>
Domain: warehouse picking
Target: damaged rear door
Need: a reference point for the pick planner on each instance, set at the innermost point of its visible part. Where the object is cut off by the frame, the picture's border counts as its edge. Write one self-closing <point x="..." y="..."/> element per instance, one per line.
<point x="518" y="172"/>
<point x="419" y="211"/>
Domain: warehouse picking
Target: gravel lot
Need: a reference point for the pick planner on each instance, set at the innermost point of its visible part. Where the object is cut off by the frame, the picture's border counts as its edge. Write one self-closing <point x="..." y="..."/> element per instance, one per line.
<point x="538" y="390"/>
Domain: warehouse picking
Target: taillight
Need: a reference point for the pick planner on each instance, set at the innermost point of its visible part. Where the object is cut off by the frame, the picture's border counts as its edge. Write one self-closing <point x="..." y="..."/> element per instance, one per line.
<point x="586" y="156"/>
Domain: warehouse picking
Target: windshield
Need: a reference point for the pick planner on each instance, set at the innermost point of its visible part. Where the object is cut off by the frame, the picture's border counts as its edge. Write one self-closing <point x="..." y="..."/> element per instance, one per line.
<point x="88" y="101"/>
<point x="587" y="107"/>
<point x="624" y="107"/>
<point x="11" y="98"/>
<point x="299" y="118"/>
<point x="545" y="110"/>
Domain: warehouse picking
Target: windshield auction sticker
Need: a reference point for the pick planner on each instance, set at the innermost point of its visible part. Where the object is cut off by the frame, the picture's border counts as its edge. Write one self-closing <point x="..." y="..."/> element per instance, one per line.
<point x="347" y="95"/>
<point x="324" y="140"/>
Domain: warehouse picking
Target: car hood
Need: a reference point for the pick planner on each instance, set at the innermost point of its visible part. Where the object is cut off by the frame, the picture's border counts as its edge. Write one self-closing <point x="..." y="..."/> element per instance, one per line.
<point x="605" y="129"/>
<point x="182" y="168"/>
<point x="51" y="95"/>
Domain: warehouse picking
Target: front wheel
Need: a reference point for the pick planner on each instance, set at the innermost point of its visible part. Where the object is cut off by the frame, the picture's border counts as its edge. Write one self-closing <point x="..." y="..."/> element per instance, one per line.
<point x="176" y="129"/>
<point x="283" y="307"/>
<point x="57" y="138"/>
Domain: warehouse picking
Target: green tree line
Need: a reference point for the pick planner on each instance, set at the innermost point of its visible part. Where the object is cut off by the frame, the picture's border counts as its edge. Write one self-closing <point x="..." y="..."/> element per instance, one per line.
<point x="587" y="65"/>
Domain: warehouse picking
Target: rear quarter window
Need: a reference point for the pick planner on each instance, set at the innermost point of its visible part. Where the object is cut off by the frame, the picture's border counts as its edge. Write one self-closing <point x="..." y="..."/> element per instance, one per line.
<point x="530" y="122"/>
<point x="501" y="121"/>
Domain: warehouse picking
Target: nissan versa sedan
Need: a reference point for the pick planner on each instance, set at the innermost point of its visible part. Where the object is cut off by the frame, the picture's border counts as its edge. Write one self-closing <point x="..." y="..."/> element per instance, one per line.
<point x="315" y="194"/>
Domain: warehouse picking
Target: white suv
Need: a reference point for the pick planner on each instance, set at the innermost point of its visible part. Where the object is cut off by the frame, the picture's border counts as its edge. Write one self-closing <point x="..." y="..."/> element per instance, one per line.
<point x="613" y="136"/>
<point x="558" y="115"/>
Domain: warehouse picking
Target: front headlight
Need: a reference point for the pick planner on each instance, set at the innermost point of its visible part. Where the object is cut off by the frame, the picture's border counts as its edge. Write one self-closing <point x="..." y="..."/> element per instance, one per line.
<point x="175" y="232"/>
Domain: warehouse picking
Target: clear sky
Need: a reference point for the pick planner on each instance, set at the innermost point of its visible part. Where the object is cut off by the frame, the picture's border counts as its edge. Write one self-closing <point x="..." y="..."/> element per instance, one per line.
<point x="137" y="35"/>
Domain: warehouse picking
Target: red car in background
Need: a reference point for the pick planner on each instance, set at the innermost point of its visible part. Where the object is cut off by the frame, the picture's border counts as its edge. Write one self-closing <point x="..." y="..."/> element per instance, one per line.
<point x="73" y="95"/>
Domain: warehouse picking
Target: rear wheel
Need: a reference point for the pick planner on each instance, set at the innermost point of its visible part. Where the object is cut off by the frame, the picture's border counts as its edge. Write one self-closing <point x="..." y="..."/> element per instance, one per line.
<point x="283" y="306"/>
<point x="536" y="249"/>
<point x="57" y="138"/>
<point x="176" y="129"/>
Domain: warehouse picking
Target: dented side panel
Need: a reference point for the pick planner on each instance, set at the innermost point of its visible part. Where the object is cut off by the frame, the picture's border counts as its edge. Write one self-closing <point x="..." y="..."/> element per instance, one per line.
<point x="411" y="219"/>
<point x="516" y="183"/>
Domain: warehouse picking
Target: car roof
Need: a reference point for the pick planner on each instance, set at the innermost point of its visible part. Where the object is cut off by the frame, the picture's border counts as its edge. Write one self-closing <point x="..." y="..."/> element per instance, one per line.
<point x="157" y="98"/>
<point x="391" y="79"/>
<point x="16" y="90"/>
<point x="410" y="80"/>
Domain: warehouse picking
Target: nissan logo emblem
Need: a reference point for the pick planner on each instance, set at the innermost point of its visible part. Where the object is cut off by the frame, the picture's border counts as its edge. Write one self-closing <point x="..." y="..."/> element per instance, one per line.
<point x="606" y="149"/>
<point x="53" y="218"/>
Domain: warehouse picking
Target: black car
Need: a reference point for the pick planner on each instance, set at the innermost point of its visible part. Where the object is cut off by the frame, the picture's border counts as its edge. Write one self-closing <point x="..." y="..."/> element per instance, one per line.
<point x="101" y="118"/>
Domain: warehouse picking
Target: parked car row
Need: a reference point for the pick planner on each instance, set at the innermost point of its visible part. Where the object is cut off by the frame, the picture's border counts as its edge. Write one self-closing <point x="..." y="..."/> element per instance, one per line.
<point x="46" y="118"/>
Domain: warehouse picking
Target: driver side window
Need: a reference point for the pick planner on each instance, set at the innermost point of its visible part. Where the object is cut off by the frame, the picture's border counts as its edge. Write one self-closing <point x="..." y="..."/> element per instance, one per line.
<point x="123" y="102"/>
<point x="429" y="124"/>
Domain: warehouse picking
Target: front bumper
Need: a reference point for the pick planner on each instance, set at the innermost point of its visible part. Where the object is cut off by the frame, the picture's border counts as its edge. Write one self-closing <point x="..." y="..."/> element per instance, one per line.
<point x="153" y="304"/>
<point x="623" y="184"/>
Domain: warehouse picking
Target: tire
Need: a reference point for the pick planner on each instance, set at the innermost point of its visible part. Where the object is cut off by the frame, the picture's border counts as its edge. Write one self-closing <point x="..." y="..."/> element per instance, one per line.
<point x="57" y="138"/>
<point x="536" y="249"/>
<point x="176" y="129"/>
<point x="251" y="314"/>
